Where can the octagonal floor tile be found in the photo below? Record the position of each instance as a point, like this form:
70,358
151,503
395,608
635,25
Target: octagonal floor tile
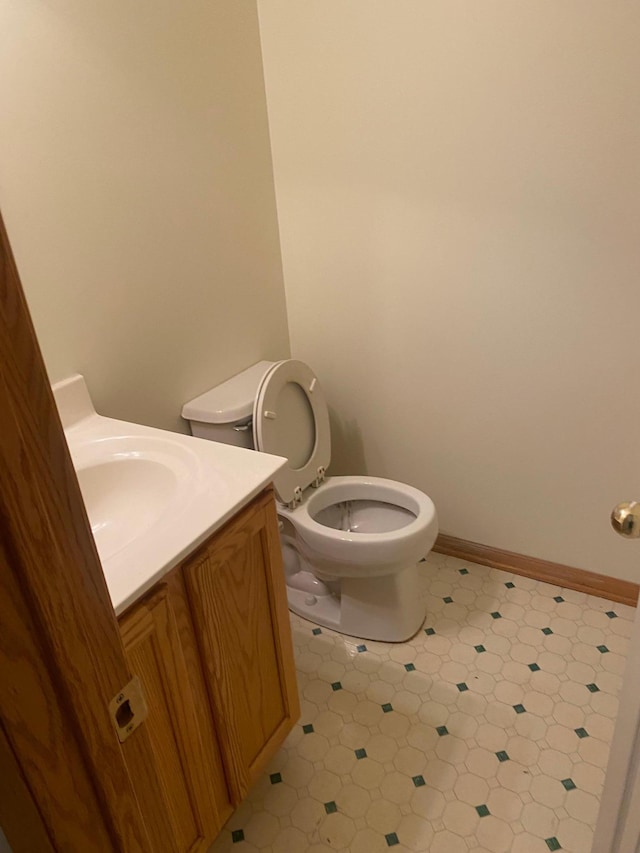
487,732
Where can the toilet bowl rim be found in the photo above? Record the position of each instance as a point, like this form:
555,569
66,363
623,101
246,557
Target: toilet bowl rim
336,489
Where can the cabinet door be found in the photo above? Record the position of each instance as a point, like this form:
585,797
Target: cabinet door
183,745
238,597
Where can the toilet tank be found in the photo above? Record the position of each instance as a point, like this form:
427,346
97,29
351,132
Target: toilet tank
224,413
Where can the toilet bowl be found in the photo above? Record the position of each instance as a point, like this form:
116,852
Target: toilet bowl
350,545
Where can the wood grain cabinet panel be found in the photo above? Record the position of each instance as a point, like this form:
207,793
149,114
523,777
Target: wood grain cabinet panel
212,647
183,746
237,594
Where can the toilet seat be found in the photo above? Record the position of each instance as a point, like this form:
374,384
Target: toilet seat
291,419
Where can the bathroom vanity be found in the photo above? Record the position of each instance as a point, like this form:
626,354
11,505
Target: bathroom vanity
211,644
187,535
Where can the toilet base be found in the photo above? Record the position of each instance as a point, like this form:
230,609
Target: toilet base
384,608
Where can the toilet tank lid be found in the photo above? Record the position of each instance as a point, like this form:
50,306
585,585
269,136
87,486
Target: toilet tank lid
229,402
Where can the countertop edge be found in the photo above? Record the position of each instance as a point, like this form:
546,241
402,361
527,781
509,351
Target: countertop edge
126,601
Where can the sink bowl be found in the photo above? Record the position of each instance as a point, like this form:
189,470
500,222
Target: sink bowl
131,484
152,496
124,498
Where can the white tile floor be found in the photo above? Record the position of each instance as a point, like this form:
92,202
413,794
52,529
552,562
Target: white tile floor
488,731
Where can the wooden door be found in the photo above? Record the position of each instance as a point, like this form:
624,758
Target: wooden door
618,826
238,597
61,656
185,755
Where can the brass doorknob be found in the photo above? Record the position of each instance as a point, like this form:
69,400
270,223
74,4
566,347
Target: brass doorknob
625,519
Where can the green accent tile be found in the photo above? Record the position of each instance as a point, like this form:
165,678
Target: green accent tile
553,843
447,599
387,707
558,599
237,835
391,839
316,631
336,685
602,649
418,781
593,688
442,730
361,753
569,784
480,649
510,585
463,571
307,728
581,732
502,755
519,709
409,667
462,687
611,614
361,648
533,667
331,807
482,810
429,632
275,778
496,615
547,631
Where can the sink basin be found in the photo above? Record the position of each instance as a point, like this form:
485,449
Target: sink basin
130,484
151,496
123,499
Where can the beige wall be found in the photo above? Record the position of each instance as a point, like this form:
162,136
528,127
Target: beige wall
458,195
459,204
136,184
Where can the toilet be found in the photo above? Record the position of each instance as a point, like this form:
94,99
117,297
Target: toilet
350,545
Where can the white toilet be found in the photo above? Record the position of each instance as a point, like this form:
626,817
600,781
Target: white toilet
350,544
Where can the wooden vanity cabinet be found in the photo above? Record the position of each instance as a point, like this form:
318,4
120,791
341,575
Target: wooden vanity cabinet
212,646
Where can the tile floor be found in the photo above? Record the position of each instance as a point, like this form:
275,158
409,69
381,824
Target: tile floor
488,731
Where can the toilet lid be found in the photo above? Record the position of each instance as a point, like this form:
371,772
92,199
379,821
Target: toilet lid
291,419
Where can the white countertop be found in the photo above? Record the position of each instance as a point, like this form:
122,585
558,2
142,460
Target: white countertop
187,489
